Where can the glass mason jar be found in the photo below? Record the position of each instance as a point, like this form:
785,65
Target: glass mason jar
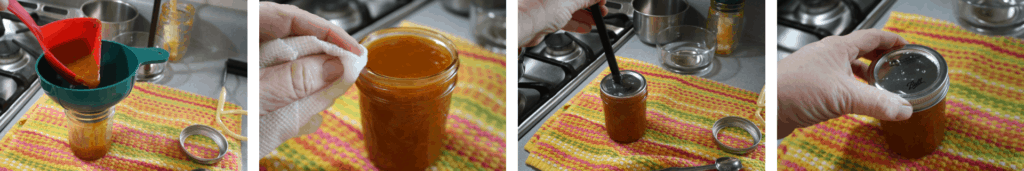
726,18
89,134
405,93
919,75
625,106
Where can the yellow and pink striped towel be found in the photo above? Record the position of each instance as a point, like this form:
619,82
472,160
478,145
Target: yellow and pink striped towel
680,113
145,134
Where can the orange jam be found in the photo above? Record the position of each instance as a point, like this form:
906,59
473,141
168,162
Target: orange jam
625,118
405,93
89,139
919,135
86,69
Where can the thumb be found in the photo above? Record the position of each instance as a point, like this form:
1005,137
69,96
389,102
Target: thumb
868,100
4,4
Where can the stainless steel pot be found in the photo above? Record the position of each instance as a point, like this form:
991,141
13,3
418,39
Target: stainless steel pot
651,16
115,16
460,7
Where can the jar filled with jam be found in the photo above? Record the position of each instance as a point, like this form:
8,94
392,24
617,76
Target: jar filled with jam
89,134
405,92
919,75
625,106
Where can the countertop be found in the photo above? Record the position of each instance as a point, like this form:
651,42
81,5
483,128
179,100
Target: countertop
744,69
433,15
218,33
938,9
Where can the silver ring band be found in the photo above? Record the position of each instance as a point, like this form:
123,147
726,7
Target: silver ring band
733,121
216,136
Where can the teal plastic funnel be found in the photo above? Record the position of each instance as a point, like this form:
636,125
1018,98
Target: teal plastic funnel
117,68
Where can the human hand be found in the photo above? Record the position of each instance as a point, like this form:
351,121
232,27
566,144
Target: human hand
818,82
4,4
540,17
305,63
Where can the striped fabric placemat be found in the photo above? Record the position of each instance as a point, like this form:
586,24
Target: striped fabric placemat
145,134
680,113
476,123
984,109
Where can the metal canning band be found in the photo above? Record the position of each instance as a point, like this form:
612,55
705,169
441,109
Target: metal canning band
733,121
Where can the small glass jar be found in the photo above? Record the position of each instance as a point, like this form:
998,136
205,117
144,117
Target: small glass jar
919,75
726,18
90,134
488,18
405,93
625,106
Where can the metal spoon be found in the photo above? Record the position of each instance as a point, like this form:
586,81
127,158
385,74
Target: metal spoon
721,164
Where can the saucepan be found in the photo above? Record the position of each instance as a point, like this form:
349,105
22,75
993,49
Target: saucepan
651,16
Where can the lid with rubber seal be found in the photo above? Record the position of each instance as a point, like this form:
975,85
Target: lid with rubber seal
916,73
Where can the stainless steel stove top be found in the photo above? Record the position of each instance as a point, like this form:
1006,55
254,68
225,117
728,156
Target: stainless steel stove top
18,52
802,22
360,17
552,70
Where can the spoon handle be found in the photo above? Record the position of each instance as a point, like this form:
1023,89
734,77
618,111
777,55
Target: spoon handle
698,168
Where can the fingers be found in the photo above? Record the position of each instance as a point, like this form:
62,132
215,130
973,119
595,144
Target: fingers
582,20
279,21
4,4
860,69
289,82
866,43
867,100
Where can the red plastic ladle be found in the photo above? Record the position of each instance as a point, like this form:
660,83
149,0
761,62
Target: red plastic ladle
85,30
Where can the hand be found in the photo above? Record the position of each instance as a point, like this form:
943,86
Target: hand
540,17
305,63
4,4
818,82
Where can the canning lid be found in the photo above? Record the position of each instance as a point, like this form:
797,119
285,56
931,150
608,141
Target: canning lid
632,84
916,73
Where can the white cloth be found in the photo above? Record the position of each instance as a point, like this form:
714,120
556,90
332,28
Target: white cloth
282,124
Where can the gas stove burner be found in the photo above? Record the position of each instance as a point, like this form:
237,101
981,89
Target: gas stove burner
552,70
348,14
12,58
834,16
562,48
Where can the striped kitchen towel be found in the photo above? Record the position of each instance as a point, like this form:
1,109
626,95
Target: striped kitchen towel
680,112
984,108
476,123
145,134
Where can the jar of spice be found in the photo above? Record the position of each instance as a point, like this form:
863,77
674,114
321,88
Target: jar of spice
625,106
404,95
89,134
726,18
919,75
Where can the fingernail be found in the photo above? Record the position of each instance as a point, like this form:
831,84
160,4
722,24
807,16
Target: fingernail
905,110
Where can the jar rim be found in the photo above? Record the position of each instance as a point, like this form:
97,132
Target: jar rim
425,33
